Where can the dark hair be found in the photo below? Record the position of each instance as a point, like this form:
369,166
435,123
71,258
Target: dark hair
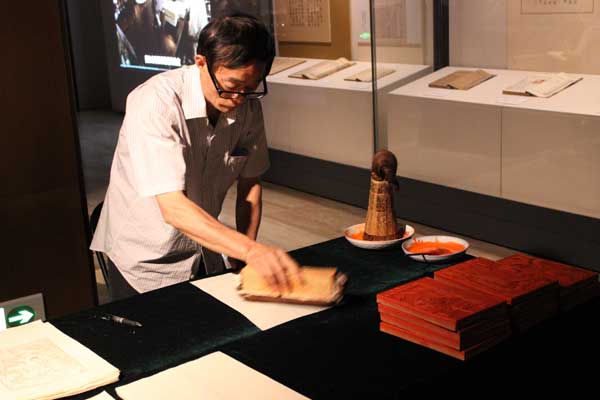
236,40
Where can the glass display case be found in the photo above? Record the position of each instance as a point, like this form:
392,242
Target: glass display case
501,141
527,134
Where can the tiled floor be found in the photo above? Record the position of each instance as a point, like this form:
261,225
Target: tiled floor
291,219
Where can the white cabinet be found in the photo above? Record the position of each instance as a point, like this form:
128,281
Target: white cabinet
330,118
539,151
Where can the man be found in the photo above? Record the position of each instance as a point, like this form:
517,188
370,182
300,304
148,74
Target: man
187,136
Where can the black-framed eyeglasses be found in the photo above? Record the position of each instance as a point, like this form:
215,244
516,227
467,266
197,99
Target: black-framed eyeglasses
230,94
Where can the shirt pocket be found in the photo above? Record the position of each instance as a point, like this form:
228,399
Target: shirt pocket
231,169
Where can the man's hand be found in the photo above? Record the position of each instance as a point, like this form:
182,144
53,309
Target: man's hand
274,265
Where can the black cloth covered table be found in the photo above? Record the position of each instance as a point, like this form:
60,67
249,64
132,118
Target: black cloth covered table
337,353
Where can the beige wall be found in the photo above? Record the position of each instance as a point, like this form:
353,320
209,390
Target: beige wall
419,16
44,232
340,37
554,42
495,34
478,33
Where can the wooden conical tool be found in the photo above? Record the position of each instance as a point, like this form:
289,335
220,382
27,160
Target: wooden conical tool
381,219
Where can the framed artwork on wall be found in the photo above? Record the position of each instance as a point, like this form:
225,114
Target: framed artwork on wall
302,21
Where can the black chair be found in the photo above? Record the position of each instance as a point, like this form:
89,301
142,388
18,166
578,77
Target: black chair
100,257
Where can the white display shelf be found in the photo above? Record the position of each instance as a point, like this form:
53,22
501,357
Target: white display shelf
330,118
337,79
532,150
582,98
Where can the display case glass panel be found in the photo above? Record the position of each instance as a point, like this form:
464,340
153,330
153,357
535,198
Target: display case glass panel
515,114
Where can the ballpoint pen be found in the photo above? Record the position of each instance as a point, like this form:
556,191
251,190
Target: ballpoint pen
120,320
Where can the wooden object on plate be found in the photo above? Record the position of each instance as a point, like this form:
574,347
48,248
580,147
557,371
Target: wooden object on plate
320,286
381,219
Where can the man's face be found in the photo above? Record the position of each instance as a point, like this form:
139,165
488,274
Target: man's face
243,79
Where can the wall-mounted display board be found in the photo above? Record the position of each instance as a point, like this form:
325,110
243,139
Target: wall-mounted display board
302,21
556,6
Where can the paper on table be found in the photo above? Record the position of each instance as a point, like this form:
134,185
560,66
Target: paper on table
283,63
102,396
213,377
37,361
265,315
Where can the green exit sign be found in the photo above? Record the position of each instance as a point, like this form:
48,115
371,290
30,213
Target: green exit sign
19,315
21,311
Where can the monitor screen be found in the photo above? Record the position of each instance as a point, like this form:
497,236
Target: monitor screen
145,37
158,34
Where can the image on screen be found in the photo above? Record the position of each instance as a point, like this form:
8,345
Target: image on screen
159,34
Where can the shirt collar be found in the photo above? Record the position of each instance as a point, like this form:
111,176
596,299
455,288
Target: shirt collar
193,102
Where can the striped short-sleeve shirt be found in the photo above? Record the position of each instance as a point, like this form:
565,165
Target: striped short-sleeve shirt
167,144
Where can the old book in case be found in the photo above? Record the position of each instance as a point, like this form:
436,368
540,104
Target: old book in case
462,79
323,69
542,85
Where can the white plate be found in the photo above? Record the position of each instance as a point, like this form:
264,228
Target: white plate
375,244
438,238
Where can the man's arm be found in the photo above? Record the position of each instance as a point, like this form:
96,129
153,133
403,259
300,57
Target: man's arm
271,262
248,206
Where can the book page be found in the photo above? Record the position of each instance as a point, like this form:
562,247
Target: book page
367,74
37,361
283,63
552,85
35,364
520,88
265,315
542,85
213,377
323,69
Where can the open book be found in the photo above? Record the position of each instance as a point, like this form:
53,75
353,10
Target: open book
462,79
37,361
367,74
323,69
542,85
321,286
283,63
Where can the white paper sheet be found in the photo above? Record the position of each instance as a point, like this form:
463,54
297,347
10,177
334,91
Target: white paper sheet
37,361
265,315
213,377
